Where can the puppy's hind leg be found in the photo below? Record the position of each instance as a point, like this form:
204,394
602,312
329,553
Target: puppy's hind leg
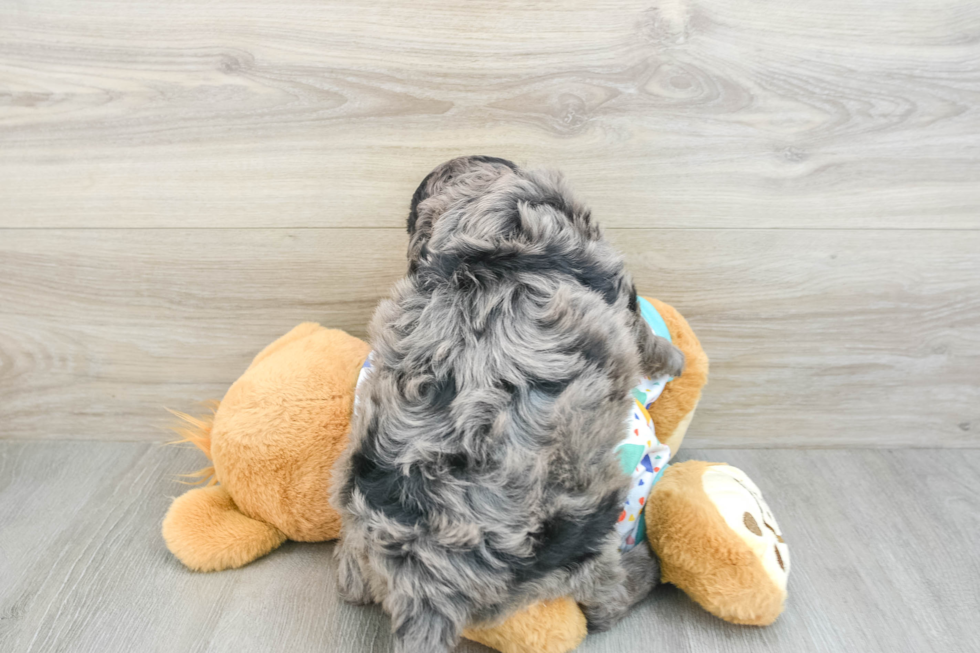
617,582
419,627
642,571
352,584
604,596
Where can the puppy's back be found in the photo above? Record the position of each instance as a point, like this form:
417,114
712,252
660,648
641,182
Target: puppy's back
483,460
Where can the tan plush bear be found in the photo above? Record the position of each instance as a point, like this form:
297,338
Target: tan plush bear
276,434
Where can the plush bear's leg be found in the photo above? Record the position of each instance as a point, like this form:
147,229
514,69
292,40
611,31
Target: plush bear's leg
718,541
207,532
556,626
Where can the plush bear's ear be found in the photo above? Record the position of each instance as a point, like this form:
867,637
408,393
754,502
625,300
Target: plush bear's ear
207,532
556,626
718,541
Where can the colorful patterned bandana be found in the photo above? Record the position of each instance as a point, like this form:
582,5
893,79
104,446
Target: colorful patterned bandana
642,455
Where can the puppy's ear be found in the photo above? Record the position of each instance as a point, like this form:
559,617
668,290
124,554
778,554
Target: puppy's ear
658,357
424,215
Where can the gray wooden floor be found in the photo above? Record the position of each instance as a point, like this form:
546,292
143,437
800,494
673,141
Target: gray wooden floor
884,546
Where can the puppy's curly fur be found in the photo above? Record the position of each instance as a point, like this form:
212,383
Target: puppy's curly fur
482,474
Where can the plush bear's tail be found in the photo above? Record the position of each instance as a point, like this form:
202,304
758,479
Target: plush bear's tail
197,431
204,528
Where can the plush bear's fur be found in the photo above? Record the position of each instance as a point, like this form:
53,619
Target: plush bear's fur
206,530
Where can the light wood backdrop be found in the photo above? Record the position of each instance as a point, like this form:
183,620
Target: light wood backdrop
181,182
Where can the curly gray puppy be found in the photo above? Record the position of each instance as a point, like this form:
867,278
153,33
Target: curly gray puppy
481,474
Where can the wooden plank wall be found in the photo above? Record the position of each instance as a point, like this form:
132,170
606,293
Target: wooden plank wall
180,183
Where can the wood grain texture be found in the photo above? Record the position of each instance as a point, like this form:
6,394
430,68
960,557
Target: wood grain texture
181,183
817,338
678,113
883,555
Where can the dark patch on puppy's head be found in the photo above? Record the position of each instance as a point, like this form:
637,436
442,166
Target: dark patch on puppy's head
420,194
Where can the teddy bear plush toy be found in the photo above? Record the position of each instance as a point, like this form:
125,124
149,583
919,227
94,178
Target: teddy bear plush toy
274,437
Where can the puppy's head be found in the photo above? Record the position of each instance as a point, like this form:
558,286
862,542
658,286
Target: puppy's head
466,176
460,174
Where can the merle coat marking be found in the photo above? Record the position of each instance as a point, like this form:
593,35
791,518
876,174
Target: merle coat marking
482,474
